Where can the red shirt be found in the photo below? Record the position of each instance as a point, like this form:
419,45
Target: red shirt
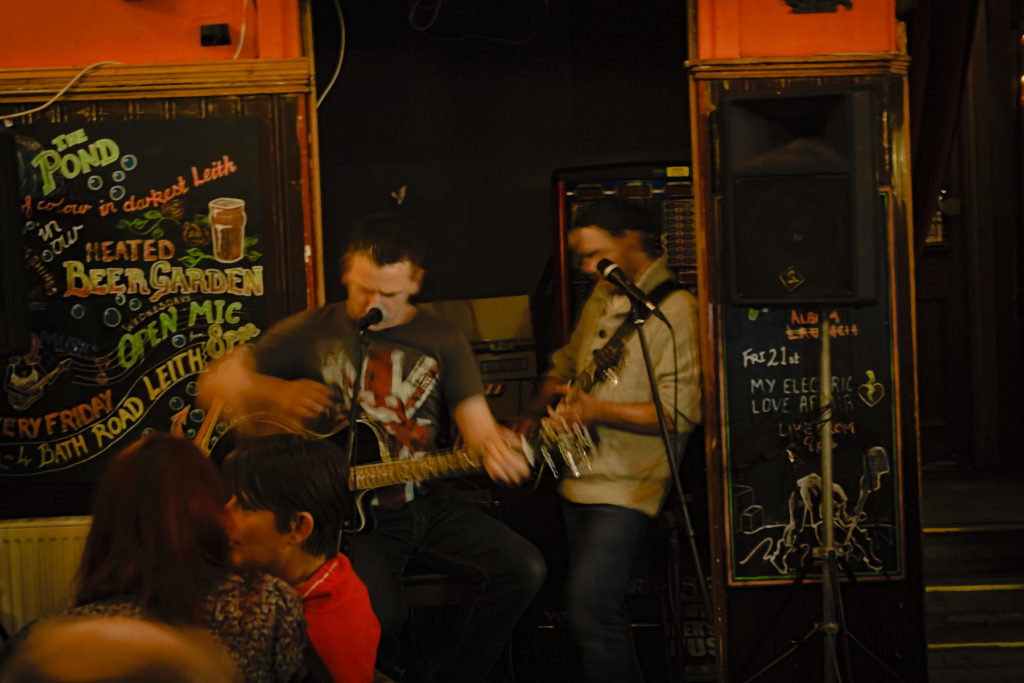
341,624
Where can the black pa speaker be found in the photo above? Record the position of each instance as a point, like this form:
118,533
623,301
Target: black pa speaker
14,326
800,199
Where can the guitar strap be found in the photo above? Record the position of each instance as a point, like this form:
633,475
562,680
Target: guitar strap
608,355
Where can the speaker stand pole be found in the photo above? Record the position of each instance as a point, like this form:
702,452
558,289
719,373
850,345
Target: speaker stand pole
826,555
352,440
829,626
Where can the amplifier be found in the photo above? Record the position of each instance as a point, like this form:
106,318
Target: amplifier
501,335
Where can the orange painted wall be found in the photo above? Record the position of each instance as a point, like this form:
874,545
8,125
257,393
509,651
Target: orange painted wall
47,33
730,29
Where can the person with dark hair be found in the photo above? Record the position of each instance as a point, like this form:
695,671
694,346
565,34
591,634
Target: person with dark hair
608,509
157,549
616,217
415,368
289,499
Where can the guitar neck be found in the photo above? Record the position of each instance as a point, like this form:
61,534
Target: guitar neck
434,466
584,381
604,359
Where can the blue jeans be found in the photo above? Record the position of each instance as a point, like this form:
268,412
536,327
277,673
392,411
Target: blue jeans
603,543
459,538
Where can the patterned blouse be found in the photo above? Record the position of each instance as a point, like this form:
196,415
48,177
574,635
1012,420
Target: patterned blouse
257,617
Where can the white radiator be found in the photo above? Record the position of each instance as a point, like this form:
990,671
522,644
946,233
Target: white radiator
38,562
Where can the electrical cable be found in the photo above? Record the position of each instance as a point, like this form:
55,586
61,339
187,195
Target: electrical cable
241,31
414,5
341,54
59,94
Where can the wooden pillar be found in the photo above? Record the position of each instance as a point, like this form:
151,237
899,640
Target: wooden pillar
800,139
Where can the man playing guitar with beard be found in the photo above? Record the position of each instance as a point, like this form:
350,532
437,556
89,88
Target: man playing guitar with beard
608,506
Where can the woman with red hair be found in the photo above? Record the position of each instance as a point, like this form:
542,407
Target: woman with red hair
157,550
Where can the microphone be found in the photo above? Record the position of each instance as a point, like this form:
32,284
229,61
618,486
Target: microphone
613,274
374,316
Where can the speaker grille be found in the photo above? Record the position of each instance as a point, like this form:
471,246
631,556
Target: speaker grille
792,238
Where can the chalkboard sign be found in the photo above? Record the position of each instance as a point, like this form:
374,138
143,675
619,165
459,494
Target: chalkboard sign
772,372
143,263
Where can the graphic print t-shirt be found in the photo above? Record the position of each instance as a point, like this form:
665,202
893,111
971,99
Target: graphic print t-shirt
410,371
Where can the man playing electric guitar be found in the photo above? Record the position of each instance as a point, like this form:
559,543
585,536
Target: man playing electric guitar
608,508
304,370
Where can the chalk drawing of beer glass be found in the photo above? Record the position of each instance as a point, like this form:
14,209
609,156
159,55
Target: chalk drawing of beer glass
227,228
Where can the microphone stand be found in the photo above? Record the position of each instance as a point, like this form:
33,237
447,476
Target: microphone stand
352,445
640,314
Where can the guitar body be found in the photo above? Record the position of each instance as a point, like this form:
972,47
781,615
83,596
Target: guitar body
372,446
374,467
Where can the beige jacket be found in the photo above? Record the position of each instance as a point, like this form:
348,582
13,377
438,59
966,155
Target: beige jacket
630,469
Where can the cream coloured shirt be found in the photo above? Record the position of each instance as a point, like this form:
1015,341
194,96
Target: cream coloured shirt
628,468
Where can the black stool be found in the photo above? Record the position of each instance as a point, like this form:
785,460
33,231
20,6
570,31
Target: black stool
432,598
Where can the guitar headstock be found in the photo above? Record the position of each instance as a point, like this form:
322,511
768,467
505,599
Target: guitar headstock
565,446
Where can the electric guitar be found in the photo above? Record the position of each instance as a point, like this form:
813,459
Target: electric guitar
572,441
375,468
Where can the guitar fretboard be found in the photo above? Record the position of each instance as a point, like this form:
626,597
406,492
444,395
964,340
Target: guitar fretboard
433,466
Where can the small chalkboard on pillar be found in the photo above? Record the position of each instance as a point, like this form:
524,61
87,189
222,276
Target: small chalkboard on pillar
771,358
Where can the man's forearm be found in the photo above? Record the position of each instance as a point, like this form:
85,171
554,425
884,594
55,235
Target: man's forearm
634,417
228,380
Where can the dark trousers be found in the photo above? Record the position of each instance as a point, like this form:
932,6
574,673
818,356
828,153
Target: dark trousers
603,543
458,538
